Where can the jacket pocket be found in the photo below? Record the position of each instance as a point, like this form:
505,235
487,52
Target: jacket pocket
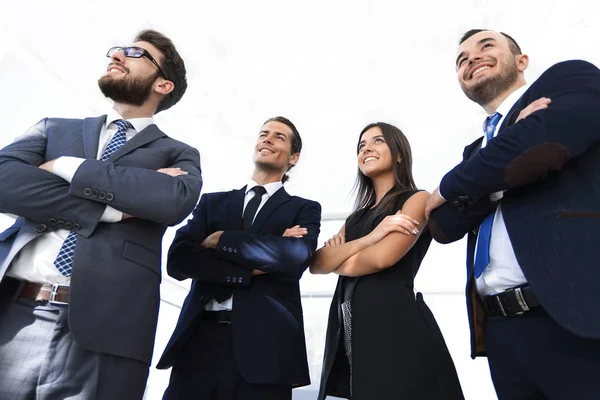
142,256
577,214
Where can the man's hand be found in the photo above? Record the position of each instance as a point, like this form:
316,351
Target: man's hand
126,216
537,105
172,171
295,231
258,272
48,166
211,241
434,201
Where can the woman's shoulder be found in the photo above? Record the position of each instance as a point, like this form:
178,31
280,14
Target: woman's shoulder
416,196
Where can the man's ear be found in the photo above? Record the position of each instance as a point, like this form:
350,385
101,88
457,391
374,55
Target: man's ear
294,159
164,87
522,62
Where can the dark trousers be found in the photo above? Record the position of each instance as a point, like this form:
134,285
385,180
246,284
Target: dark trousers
39,358
532,357
206,370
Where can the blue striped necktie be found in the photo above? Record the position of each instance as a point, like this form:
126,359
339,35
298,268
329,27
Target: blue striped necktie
64,259
482,254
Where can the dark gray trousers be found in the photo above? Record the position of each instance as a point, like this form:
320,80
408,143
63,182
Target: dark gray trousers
39,358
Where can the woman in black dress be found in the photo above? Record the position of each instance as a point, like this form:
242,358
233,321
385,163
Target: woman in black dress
382,341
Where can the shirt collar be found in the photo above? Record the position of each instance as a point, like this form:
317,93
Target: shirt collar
139,124
510,101
271,188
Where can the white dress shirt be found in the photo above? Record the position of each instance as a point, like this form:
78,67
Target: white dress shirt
270,188
503,271
35,262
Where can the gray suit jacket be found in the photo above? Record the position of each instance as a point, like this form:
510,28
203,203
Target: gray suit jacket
116,267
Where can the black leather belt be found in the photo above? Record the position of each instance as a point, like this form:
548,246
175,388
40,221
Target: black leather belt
219,317
511,302
53,294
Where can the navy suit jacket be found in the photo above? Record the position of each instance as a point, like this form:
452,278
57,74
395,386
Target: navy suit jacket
114,296
549,165
268,327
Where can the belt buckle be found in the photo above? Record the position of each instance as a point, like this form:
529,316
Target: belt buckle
521,300
500,305
52,299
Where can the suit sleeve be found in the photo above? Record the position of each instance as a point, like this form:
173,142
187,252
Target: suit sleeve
539,144
187,259
39,195
141,192
274,254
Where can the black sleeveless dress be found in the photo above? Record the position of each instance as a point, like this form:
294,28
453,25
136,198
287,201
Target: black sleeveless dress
396,348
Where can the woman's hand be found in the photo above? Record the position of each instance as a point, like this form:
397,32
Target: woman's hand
336,240
295,231
393,223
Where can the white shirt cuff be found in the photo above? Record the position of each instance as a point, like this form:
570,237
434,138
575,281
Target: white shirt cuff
440,192
111,215
65,167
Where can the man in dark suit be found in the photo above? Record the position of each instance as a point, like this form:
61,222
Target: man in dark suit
80,268
240,335
527,196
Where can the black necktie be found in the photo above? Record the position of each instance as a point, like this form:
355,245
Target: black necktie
252,206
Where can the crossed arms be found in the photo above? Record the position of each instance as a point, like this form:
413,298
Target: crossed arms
39,195
207,256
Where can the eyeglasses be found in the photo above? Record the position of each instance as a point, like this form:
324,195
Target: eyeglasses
135,52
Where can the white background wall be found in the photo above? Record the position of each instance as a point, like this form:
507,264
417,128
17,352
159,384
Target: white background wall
330,66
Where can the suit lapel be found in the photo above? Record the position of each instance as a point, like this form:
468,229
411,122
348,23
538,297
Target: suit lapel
278,198
235,207
144,137
91,135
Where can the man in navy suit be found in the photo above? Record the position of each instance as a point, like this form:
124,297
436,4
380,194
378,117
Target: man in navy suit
80,269
240,334
527,196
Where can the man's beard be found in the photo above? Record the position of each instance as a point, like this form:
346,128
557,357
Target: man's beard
487,90
133,91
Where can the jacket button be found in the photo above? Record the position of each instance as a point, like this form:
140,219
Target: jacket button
39,228
60,223
235,250
455,203
224,248
102,196
76,226
240,280
234,279
110,196
68,225
228,279
94,193
230,250
87,191
52,221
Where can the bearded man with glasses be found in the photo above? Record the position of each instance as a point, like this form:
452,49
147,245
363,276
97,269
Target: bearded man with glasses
80,268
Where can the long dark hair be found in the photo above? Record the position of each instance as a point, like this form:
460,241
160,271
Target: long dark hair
403,178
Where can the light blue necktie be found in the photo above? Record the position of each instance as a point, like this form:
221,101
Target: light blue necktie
64,259
482,254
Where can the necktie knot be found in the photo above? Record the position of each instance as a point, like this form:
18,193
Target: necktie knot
489,126
123,125
259,190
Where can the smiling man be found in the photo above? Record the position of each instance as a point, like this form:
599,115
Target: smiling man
80,268
527,196
240,334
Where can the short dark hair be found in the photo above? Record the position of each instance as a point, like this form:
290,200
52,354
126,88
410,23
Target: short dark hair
512,43
171,63
296,145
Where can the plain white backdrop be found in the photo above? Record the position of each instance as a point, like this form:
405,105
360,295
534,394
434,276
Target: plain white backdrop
329,66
